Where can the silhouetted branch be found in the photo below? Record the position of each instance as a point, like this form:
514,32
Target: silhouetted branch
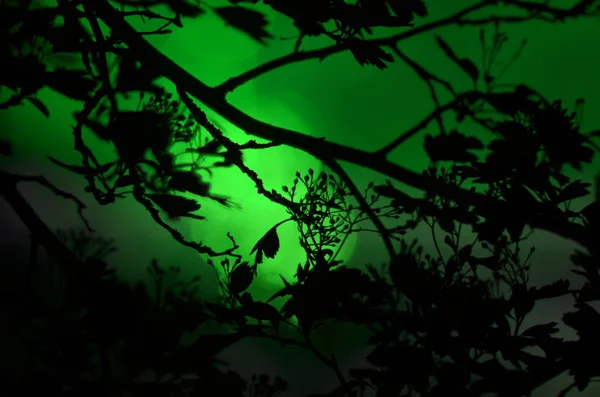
320,54
428,78
458,18
255,145
40,179
233,147
37,227
321,149
363,205
101,61
87,155
434,115
138,194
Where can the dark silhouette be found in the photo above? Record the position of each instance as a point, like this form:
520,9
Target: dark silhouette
438,327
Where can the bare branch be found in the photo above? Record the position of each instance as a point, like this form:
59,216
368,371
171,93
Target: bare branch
435,114
101,61
364,206
87,154
254,145
36,226
40,179
138,194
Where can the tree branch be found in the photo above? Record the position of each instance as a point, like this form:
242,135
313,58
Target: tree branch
322,53
318,147
40,179
364,206
37,227
557,14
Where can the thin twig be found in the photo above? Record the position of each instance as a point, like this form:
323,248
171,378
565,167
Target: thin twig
437,112
233,147
364,206
36,226
40,179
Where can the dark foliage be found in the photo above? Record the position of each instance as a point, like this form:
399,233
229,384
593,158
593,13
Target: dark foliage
439,324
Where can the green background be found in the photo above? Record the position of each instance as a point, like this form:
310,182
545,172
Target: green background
336,99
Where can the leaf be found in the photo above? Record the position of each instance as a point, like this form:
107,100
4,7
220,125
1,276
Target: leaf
249,21
588,293
367,53
509,103
560,136
572,191
464,253
124,181
267,245
465,64
541,330
71,83
344,281
470,68
448,241
241,278
188,181
522,299
452,147
185,8
403,7
134,78
586,321
39,105
554,290
446,224
262,311
285,291
174,206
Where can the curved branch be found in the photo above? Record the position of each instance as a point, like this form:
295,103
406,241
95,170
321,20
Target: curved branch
364,206
38,229
318,147
322,53
458,18
40,179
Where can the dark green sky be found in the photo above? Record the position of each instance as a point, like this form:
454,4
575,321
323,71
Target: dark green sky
336,99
